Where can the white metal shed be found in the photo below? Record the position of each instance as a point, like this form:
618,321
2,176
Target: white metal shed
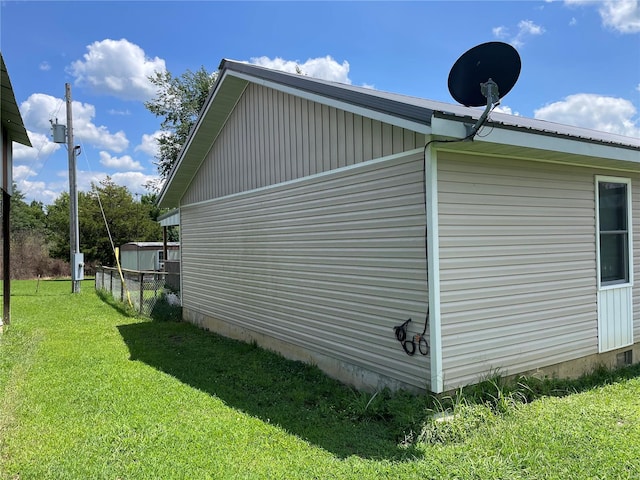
147,255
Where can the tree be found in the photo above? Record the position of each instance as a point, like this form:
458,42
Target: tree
178,103
150,200
26,217
127,219
29,248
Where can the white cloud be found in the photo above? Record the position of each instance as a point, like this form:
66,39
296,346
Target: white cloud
48,191
43,147
22,172
529,28
84,178
38,191
119,68
597,112
526,29
113,111
325,68
39,109
149,143
620,15
45,66
32,190
500,32
505,109
120,163
573,22
134,181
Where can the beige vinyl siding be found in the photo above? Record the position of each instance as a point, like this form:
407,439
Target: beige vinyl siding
330,263
272,137
518,266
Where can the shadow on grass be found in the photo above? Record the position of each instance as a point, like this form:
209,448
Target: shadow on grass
293,395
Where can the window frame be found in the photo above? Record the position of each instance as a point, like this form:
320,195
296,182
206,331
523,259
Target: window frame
629,233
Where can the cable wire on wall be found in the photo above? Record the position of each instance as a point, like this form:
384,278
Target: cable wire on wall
419,341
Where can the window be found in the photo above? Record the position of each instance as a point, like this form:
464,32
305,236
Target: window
614,220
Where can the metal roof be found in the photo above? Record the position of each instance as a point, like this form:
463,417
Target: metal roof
401,110
387,103
416,109
9,112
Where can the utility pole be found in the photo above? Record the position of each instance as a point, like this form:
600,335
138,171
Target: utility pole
77,260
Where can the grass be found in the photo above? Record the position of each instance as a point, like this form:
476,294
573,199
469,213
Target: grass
89,391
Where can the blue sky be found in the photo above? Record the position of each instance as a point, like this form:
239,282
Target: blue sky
580,64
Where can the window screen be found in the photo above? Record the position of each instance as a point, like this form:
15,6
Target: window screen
614,232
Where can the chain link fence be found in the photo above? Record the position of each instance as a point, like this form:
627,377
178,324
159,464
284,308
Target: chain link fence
143,289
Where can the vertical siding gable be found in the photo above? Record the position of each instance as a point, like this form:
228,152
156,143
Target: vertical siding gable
273,137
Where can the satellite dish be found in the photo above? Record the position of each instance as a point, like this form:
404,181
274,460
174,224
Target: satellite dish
484,74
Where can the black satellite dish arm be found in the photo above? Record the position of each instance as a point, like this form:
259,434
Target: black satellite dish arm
490,91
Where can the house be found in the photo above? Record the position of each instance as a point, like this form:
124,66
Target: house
147,256
317,218
11,130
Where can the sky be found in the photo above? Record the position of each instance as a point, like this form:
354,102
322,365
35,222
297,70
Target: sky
580,65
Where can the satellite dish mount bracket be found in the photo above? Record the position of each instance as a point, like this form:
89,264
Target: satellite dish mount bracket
489,90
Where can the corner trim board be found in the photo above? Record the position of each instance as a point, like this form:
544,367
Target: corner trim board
433,267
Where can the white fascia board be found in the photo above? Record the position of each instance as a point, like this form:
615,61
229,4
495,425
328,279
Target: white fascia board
348,107
535,140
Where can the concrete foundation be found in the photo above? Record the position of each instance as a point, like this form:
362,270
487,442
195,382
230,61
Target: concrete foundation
368,381
347,373
575,368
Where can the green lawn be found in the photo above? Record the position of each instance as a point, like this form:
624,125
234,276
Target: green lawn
88,392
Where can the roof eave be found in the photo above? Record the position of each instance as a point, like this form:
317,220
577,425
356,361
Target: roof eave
559,147
10,113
